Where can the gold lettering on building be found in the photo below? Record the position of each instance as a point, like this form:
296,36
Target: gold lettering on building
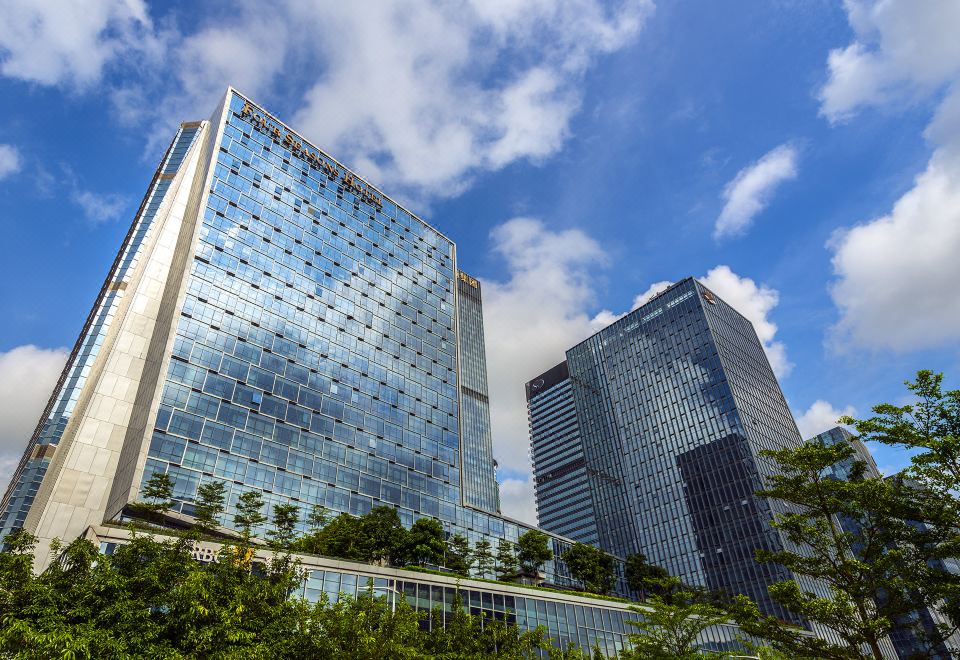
469,280
263,124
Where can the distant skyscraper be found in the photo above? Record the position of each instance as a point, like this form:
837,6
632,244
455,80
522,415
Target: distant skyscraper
479,476
673,403
564,504
274,322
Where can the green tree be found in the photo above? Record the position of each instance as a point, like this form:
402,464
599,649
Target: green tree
384,535
648,579
317,518
158,493
670,631
343,537
425,542
285,519
458,555
482,557
249,513
209,506
868,573
591,566
929,427
507,567
533,551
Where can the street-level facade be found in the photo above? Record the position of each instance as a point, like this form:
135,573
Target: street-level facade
570,620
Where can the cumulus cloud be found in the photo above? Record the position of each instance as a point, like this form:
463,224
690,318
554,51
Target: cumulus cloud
27,377
517,500
819,417
903,50
99,208
532,318
9,161
71,42
756,302
751,190
416,95
895,274
654,289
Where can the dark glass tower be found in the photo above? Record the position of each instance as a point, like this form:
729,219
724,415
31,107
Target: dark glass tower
480,488
674,402
564,504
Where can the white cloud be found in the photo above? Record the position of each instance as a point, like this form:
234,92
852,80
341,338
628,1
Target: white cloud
532,318
9,161
70,42
755,302
896,274
419,96
750,191
820,416
902,49
517,500
654,289
27,377
99,208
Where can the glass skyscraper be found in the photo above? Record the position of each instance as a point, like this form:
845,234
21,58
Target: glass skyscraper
673,404
562,488
479,474
275,322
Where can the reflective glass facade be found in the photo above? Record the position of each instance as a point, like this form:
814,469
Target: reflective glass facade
294,331
315,354
479,478
36,459
674,402
564,504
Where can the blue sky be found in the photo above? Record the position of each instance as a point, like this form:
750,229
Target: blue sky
803,157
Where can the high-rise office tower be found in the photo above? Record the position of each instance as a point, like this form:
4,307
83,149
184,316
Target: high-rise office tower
673,404
564,504
479,474
274,322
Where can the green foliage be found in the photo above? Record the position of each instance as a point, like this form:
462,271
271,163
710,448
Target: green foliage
151,600
425,542
482,557
507,567
285,519
533,551
343,537
249,513
458,555
669,630
209,506
384,537
930,427
158,493
649,579
871,574
591,566
318,518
